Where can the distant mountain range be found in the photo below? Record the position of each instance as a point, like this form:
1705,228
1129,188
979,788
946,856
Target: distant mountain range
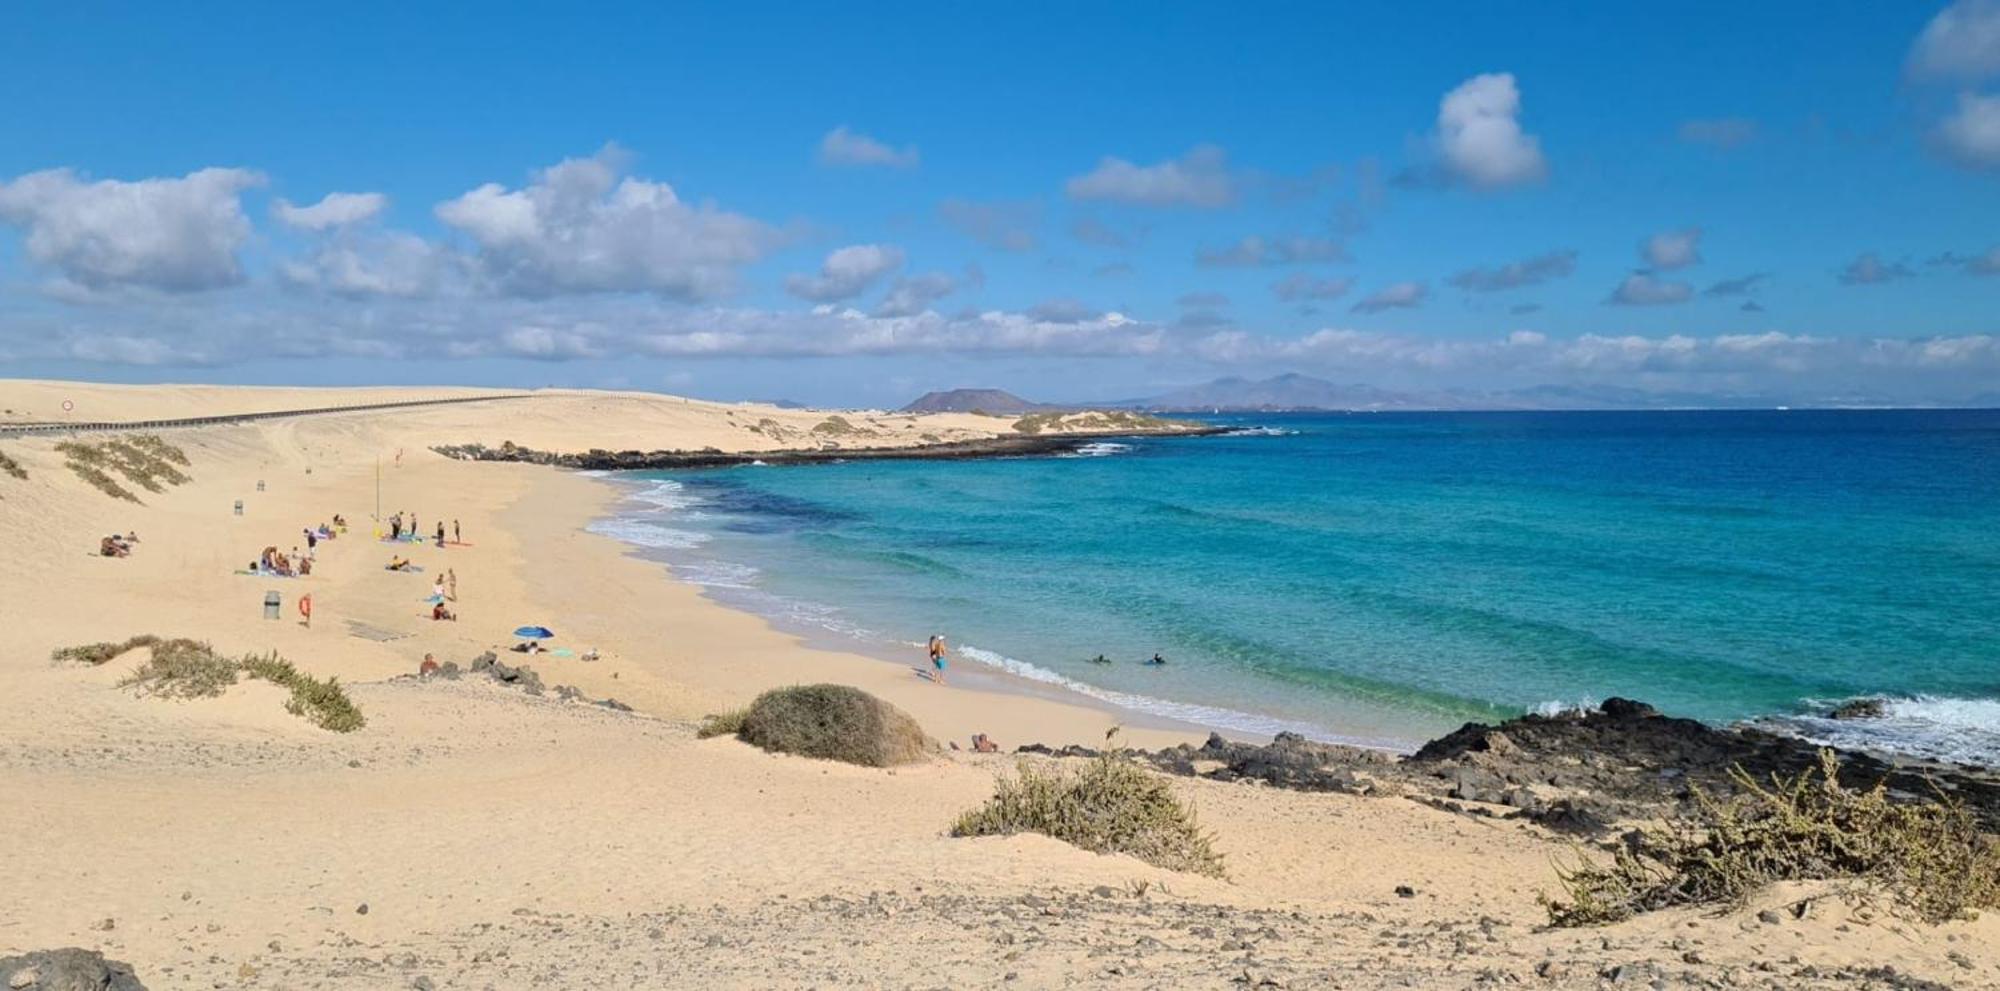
1303,392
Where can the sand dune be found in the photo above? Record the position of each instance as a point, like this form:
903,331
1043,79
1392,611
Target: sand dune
502,840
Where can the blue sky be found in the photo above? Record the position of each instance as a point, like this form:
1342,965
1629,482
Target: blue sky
857,203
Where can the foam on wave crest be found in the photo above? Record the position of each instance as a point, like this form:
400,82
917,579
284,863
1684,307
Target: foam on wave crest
1953,730
1261,432
647,534
1097,449
1188,712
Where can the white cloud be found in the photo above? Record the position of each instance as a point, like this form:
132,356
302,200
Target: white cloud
914,294
334,210
846,273
1670,250
1008,226
1479,134
1514,275
1646,289
1299,286
1200,178
844,147
175,235
1283,249
1867,270
1400,295
581,227
391,263
1971,134
1961,42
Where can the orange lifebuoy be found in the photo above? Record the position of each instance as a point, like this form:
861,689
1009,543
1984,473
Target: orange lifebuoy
306,606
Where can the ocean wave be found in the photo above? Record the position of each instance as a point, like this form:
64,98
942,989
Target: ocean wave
1097,449
666,495
644,533
1261,432
1932,727
1187,712
716,574
1553,708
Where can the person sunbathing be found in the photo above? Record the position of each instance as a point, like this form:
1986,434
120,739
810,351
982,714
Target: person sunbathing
440,612
110,547
398,564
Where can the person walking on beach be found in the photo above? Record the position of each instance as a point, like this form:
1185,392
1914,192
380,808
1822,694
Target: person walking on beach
440,540
456,538
937,658
451,584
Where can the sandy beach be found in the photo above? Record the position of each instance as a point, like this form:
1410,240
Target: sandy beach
475,836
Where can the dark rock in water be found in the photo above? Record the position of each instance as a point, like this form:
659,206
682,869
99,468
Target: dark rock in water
1618,708
1860,709
67,970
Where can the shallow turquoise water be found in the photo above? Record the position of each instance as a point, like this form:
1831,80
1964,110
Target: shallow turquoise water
1382,577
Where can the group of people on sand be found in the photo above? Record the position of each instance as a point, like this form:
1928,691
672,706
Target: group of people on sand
273,562
117,545
401,528
444,589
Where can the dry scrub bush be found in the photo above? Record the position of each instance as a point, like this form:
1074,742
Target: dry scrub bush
1110,805
1929,858
11,466
95,654
143,459
834,722
728,723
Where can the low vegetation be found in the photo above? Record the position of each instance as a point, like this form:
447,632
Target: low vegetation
838,426
189,669
1091,420
143,460
12,467
1929,858
1109,805
831,722
728,723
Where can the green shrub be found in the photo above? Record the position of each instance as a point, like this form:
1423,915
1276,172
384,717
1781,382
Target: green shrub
1928,857
143,459
189,669
183,669
1109,805
834,722
729,723
95,654
837,426
11,466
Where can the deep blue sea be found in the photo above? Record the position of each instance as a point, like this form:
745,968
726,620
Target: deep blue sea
1379,578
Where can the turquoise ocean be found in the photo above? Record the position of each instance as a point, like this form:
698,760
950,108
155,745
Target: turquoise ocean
1381,578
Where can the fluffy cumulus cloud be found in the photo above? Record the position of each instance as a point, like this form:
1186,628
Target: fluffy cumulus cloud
1396,296
1962,42
1008,226
167,234
1670,250
841,146
583,226
1514,275
334,210
1200,178
1283,249
914,294
846,273
1867,270
1479,134
1971,133
390,263
1718,132
1299,287
1742,286
1647,289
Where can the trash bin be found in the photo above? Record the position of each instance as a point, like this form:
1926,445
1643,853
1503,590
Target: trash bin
271,602
260,485
239,507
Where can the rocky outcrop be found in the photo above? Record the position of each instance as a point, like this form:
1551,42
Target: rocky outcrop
994,447
66,970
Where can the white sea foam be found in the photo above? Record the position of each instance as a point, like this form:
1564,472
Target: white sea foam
1556,707
666,495
1188,712
645,533
1261,432
1956,730
1097,449
716,574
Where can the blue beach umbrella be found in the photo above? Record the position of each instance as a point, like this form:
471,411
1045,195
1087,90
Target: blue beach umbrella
534,633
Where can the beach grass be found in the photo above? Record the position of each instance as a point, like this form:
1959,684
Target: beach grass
1928,857
12,467
189,669
1110,805
144,460
726,723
